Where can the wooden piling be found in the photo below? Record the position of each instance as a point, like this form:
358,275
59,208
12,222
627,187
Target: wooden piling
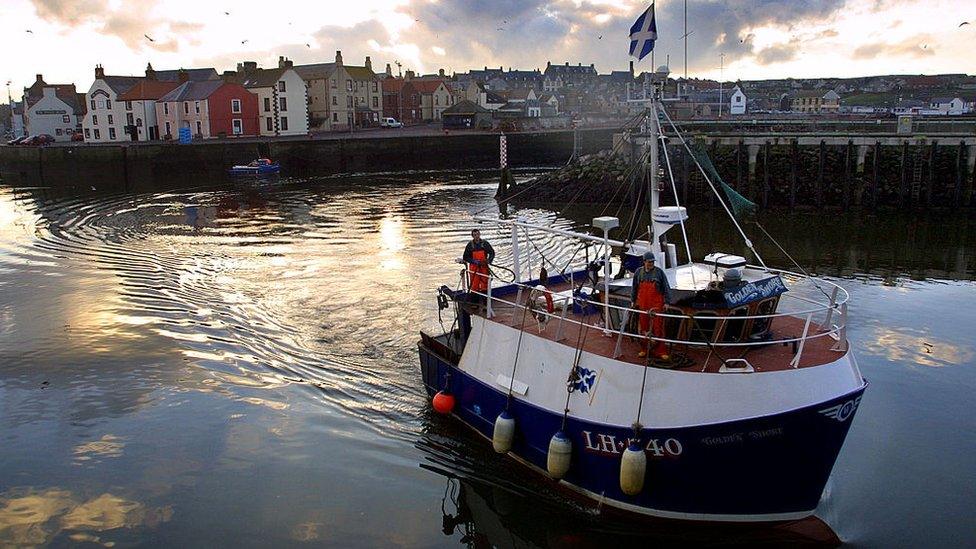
765,184
875,184
818,191
903,188
794,172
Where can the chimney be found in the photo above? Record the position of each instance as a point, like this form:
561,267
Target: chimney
631,69
338,59
548,64
183,75
408,75
250,66
150,73
284,62
40,78
229,76
99,72
440,72
389,70
240,68
567,63
369,64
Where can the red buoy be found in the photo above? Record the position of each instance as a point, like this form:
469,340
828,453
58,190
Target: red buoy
443,402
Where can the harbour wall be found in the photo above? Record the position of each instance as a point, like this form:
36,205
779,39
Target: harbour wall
170,163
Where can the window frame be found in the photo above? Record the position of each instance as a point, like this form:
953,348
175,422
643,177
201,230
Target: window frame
235,106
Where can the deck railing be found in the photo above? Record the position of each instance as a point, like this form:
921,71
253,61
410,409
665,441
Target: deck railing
833,307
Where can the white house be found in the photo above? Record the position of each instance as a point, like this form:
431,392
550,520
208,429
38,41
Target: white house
948,105
53,114
17,119
105,120
282,98
737,101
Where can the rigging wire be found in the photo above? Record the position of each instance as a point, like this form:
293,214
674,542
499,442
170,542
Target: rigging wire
798,266
714,190
674,189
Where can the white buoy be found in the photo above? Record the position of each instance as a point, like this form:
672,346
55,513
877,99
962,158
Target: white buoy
560,454
501,438
633,465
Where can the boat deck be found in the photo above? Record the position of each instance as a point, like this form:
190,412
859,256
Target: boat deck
764,356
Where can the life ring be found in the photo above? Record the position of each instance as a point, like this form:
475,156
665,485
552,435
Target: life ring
540,289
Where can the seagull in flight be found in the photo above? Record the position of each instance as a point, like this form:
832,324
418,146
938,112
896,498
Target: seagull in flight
964,23
148,38
30,31
243,42
308,45
226,13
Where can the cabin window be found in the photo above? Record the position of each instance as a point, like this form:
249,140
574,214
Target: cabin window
235,105
281,86
675,328
734,328
238,126
760,326
703,326
283,104
284,123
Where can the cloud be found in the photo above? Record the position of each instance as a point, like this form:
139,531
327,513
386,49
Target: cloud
129,22
915,46
778,53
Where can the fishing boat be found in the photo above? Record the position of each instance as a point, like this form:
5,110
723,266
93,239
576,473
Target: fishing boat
260,166
741,421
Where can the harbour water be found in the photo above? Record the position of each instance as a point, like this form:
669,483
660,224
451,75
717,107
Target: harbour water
235,365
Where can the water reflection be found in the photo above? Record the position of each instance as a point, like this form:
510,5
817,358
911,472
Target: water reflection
163,342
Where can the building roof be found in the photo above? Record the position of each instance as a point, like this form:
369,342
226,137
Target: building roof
464,107
196,75
810,93
942,99
567,69
192,91
495,98
262,78
519,94
121,84
315,71
393,85
148,89
359,73
426,86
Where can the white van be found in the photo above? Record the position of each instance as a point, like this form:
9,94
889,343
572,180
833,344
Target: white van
390,123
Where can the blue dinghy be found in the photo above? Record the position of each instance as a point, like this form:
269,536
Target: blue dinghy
261,166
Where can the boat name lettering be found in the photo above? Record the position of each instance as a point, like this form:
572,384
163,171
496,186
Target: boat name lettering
738,438
766,433
753,291
609,445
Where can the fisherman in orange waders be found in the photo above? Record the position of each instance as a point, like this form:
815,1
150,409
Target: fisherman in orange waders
478,254
650,293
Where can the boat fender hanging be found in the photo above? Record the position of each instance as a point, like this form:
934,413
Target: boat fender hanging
560,454
501,438
633,465
443,402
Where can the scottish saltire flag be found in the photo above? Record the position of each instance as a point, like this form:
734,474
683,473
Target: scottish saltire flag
643,34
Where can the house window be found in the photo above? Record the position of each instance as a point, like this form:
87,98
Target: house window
199,128
93,104
284,123
165,108
87,133
111,133
335,100
108,104
437,100
186,107
375,87
238,126
376,103
196,107
335,117
128,105
333,83
282,103
94,120
111,120
97,136
66,119
138,122
129,119
281,86
349,85
267,104
57,131
168,132
235,105
268,123
349,101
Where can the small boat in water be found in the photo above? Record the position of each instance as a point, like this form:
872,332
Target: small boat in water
261,166
733,407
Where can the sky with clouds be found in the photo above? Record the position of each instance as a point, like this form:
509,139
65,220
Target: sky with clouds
759,38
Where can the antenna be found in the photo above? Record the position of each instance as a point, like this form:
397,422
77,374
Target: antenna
399,68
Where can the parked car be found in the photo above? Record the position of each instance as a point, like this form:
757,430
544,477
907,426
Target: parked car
77,136
390,123
17,140
38,140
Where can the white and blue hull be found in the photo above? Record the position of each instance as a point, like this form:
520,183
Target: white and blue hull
720,447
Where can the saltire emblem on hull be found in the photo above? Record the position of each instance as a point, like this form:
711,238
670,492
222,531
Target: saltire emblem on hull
842,411
584,383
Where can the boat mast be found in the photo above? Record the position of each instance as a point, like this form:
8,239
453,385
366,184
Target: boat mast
651,165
